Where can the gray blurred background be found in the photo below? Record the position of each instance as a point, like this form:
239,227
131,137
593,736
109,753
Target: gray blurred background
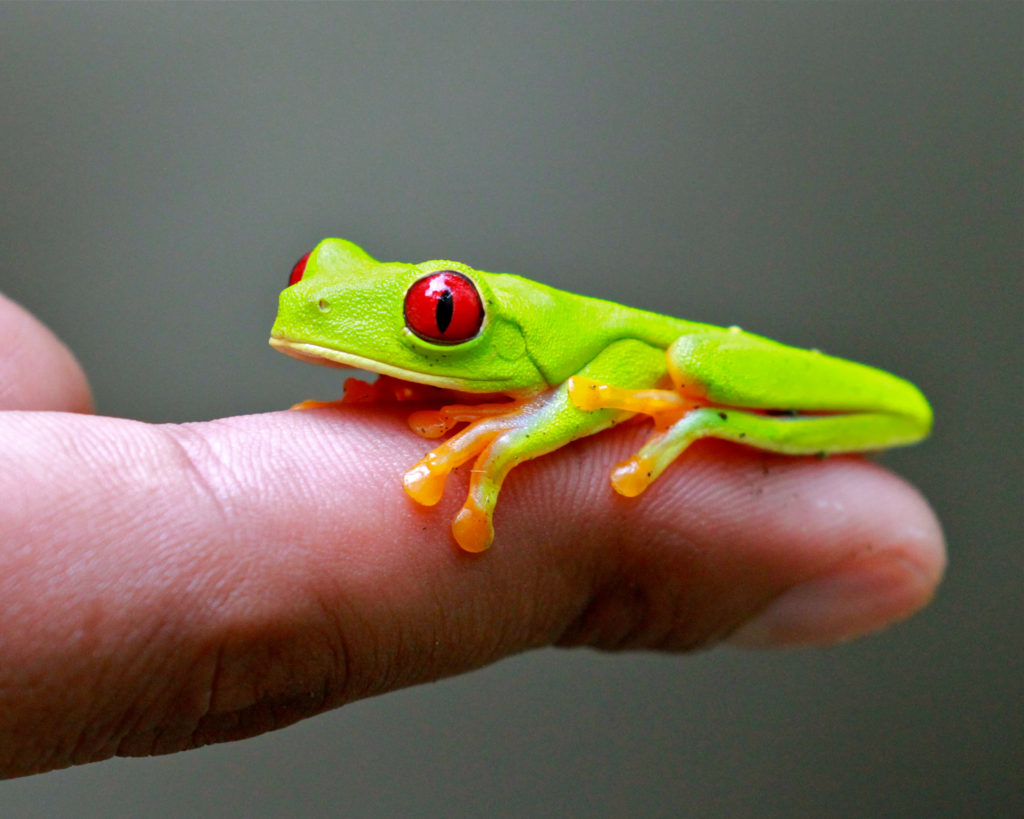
842,176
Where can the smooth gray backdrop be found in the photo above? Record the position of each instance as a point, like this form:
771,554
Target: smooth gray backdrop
842,176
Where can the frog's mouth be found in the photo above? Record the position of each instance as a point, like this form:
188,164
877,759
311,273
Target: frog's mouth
328,356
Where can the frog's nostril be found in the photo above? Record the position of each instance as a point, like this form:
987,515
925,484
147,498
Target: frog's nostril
324,305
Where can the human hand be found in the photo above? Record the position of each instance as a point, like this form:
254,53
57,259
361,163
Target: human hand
164,587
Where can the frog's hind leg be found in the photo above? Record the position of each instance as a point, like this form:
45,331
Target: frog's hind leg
743,388
789,434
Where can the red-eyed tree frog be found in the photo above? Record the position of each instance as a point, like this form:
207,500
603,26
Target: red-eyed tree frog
546,367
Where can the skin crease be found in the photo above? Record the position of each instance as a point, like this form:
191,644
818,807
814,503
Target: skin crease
169,586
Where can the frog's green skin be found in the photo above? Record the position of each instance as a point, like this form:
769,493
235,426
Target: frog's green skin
697,380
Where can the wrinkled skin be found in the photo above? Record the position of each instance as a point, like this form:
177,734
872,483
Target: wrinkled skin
169,586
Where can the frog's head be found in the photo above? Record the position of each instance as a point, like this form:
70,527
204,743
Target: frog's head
439,322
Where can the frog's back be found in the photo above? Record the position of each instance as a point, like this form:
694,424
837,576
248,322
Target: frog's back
563,331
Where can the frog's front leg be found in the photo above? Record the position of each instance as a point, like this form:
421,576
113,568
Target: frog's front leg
385,390
498,442
500,436
425,481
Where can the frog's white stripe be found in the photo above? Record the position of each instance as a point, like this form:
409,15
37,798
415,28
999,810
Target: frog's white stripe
316,354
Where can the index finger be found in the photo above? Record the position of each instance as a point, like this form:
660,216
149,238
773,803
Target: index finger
168,586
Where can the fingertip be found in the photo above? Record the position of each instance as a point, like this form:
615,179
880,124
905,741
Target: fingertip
892,569
37,370
757,549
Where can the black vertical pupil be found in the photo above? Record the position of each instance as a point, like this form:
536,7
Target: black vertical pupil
444,310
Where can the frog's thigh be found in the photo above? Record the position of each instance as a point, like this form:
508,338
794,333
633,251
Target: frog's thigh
846,405
740,369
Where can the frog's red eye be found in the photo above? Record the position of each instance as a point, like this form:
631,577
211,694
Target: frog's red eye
298,270
444,307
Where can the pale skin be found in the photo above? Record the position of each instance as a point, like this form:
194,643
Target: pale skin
170,586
